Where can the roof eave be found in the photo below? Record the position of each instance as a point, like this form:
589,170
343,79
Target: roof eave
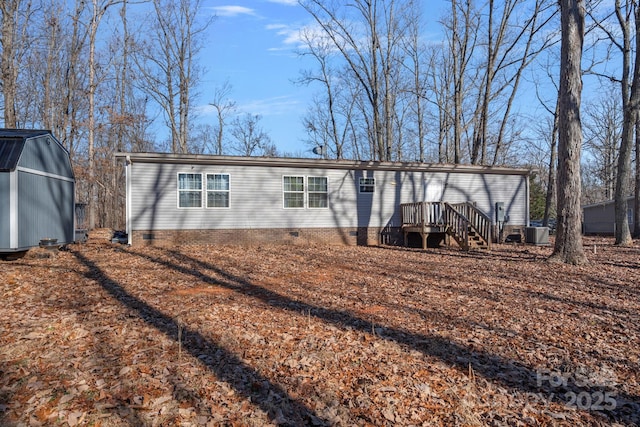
315,163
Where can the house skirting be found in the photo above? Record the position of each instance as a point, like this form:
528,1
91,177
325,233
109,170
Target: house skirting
364,236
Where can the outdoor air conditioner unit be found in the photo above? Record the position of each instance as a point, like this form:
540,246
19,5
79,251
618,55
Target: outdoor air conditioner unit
537,235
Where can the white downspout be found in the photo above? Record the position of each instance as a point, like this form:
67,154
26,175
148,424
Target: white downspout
528,200
128,199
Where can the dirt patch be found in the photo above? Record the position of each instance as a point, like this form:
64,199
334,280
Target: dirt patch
106,335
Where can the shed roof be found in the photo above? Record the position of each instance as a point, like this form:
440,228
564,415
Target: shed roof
11,145
316,163
605,203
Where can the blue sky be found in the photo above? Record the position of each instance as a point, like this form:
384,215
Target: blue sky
252,44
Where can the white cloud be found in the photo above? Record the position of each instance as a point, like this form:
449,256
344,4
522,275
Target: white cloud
285,2
274,106
291,35
233,10
267,107
296,37
276,26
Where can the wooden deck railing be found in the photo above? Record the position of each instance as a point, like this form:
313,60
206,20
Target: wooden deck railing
460,219
423,214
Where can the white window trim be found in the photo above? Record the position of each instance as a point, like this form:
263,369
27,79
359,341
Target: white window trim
206,200
304,191
316,192
178,190
361,185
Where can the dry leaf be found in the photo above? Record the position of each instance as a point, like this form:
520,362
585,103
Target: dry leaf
318,335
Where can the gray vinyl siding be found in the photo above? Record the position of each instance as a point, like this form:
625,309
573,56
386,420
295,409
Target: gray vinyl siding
4,210
256,197
45,209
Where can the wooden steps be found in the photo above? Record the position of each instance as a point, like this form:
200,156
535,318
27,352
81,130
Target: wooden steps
475,241
468,226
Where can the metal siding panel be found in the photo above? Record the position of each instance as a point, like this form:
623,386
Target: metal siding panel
10,150
45,209
44,154
4,211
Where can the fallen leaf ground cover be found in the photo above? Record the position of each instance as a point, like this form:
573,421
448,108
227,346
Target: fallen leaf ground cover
108,335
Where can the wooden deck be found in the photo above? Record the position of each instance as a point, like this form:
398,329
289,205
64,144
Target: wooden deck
467,225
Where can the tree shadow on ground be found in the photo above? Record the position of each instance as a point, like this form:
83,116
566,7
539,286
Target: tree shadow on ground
246,381
508,373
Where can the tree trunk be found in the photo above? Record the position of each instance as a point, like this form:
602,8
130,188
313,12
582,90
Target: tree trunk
553,160
630,98
622,233
8,69
72,83
457,86
568,244
91,122
636,201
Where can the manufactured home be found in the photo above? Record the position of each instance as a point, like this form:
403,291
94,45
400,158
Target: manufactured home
36,190
600,218
183,199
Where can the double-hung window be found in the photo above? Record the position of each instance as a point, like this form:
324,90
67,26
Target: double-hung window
189,190
293,191
367,185
217,190
296,194
317,192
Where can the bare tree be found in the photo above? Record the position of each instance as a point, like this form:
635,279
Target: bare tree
541,152
167,63
8,66
223,106
250,138
74,84
14,24
462,34
328,115
512,44
568,243
203,139
52,84
602,130
439,89
620,38
550,201
636,202
52,32
98,10
631,105
367,34
125,121
416,53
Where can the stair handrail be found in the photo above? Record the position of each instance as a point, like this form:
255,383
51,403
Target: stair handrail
478,220
459,225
